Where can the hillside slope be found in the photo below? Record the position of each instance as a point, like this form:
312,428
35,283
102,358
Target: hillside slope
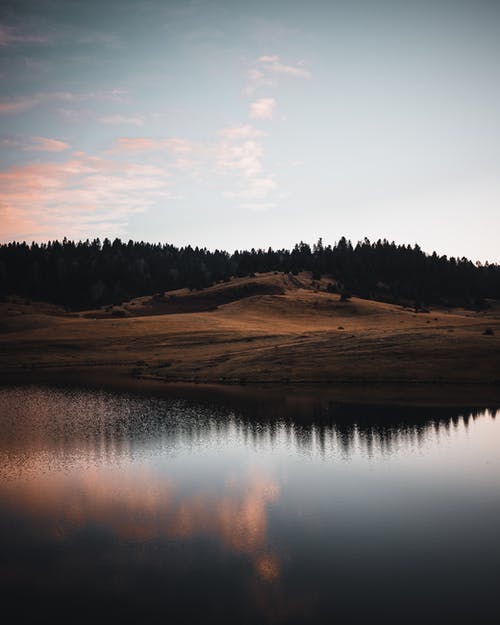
272,327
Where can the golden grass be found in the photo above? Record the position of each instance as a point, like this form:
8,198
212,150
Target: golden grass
271,328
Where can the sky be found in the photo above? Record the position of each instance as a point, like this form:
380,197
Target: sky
231,124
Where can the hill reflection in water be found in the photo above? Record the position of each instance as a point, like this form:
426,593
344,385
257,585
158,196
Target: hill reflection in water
134,501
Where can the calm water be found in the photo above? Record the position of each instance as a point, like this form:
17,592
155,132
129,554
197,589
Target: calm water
118,508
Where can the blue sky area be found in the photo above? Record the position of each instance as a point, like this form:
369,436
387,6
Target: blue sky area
248,124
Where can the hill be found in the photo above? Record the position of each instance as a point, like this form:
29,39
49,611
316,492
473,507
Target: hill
268,328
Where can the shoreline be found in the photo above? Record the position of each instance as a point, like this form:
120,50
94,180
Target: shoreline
375,392
303,342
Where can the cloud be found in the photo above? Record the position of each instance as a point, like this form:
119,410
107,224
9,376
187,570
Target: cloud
83,195
245,158
256,80
10,35
34,144
138,502
262,108
188,158
246,131
268,59
135,144
255,75
75,115
261,76
273,64
256,189
43,144
80,196
19,104
143,144
119,120
253,188
262,186
35,30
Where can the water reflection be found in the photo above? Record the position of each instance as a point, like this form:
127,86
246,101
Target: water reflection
104,427
140,505
108,495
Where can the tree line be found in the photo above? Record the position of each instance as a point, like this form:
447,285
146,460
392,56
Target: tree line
87,274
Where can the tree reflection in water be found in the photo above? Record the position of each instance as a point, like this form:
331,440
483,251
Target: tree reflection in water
271,508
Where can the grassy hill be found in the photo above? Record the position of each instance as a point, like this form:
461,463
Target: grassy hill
267,328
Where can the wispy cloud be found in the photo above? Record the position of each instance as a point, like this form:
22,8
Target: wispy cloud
40,30
236,155
75,115
257,79
10,35
256,189
122,120
34,144
244,157
84,195
263,108
253,187
267,68
273,64
80,196
143,144
44,144
19,104
246,131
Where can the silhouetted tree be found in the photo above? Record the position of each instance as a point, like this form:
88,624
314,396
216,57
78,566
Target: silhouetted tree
87,273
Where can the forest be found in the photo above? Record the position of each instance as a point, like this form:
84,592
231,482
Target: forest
88,274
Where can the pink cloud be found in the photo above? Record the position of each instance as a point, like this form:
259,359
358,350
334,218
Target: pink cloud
261,76
135,144
143,144
44,144
19,104
263,108
95,195
34,144
80,196
273,64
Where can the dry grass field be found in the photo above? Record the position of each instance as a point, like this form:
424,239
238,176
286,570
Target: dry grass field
270,328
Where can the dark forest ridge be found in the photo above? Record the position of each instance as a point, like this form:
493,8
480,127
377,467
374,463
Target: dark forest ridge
89,274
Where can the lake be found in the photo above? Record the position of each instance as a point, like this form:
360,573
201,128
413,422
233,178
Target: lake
133,508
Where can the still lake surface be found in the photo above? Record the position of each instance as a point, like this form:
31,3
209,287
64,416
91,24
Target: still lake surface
122,508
